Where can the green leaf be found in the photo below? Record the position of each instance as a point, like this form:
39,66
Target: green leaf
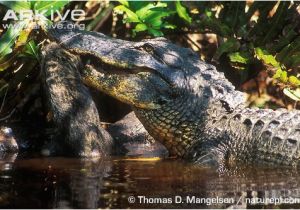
124,2
168,26
294,80
208,13
17,6
230,45
8,39
49,6
155,15
267,58
136,5
239,57
7,61
32,3
155,23
155,32
277,74
293,94
132,17
181,10
32,49
144,12
140,27
283,77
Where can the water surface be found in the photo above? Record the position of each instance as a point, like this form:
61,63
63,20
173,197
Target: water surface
131,183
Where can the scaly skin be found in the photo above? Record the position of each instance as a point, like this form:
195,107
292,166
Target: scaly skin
218,137
183,102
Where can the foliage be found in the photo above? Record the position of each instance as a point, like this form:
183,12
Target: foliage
151,16
17,35
258,31
18,47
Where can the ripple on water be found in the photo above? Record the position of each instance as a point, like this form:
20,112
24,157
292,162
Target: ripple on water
75,183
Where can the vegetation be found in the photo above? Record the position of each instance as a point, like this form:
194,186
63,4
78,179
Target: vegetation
252,40
152,17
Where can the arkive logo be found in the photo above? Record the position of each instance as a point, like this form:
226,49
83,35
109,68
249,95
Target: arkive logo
74,14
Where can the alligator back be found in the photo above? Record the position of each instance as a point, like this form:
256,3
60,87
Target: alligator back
261,135
247,135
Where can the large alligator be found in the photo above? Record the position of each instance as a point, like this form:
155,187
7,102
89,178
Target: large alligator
183,102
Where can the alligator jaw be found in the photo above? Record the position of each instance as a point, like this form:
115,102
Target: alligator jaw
128,88
112,67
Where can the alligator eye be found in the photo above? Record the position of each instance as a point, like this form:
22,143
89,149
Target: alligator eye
148,47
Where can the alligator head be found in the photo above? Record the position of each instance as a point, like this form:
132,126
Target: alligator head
169,88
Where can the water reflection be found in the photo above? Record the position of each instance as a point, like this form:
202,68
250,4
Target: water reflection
75,183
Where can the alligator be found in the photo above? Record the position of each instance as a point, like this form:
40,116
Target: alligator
183,102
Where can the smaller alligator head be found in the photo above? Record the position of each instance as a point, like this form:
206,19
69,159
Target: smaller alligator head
169,88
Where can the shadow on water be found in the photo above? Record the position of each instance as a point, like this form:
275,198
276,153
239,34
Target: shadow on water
76,183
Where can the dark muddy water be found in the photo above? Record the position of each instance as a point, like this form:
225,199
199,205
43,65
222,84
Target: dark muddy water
128,183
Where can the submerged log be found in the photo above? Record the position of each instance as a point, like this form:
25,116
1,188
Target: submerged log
73,112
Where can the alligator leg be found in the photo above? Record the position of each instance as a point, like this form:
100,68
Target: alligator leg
75,116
